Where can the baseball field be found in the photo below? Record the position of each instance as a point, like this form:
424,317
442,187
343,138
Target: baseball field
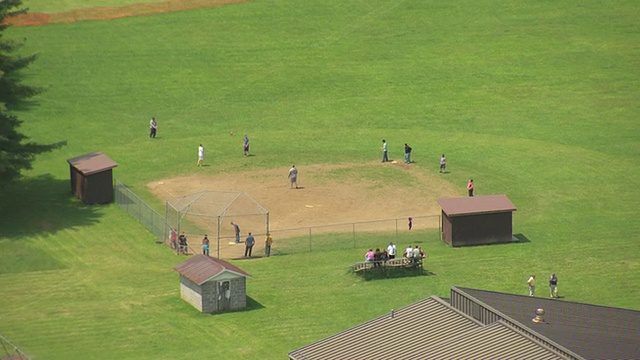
536,100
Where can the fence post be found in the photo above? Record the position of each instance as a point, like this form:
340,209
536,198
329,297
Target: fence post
396,231
354,235
310,248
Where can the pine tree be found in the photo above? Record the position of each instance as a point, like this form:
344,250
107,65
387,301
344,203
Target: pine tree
16,152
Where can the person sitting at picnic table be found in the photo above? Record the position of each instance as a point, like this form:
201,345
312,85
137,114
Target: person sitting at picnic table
416,254
369,256
377,256
422,254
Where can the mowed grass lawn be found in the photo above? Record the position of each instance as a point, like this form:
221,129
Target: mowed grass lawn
535,100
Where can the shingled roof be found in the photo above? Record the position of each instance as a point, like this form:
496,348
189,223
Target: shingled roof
485,204
201,268
591,331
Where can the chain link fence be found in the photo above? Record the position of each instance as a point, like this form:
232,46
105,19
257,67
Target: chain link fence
139,210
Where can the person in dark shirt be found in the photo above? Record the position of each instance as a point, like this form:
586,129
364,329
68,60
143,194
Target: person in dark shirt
407,153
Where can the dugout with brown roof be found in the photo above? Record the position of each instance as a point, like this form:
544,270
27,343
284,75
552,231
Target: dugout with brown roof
212,285
92,177
477,220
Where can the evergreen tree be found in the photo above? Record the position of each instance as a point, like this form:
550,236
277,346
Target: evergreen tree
16,153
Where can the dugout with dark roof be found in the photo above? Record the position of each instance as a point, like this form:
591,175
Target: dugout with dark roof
92,177
477,220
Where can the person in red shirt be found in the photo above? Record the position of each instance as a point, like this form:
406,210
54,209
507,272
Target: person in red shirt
470,187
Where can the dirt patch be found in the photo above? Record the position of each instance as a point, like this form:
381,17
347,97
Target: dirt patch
107,13
328,194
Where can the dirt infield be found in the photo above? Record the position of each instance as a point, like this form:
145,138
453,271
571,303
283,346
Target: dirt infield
328,194
107,13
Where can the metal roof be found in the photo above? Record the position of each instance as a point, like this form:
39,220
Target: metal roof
472,205
201,268
495,341
591,331
392,336
92,163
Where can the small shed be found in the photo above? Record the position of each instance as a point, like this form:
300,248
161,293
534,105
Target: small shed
477,220
92,177
212,285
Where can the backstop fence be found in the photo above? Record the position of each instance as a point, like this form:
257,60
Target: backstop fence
350,235
10,351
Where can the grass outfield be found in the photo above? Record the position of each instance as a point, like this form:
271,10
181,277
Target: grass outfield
535,100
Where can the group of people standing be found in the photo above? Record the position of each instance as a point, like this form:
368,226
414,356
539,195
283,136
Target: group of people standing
553,285
179,243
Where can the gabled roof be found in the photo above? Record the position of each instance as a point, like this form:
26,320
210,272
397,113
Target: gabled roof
201,268
485,204
591,331
428,329
92,163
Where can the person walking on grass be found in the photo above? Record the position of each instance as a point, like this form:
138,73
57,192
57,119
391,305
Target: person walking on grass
443,164
553,286
248,245
385,151
470,187
532,284
293,176
200,155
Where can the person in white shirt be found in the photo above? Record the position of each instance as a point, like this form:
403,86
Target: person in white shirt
391,250
200,154
293,176
408,252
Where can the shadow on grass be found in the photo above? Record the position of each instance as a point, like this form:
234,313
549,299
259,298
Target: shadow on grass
520,238
385,273
252,304
42,205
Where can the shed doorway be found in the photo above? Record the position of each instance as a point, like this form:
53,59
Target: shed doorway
224,296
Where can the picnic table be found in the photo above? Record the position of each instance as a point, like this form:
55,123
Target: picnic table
402,263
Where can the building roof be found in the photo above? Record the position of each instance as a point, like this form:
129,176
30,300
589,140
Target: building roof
425,330
201,268
591,331
495,341
371,340
474,205
435,329
92,163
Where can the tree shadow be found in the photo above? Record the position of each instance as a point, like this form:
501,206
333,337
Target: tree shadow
42,205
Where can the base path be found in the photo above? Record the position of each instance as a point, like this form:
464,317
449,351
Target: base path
107,13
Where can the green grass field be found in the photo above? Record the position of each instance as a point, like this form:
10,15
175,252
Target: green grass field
536,100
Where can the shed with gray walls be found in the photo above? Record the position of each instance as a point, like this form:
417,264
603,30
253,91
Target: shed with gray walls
477,220
212,285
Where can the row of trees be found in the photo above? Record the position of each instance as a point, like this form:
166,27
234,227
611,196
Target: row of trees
17,153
